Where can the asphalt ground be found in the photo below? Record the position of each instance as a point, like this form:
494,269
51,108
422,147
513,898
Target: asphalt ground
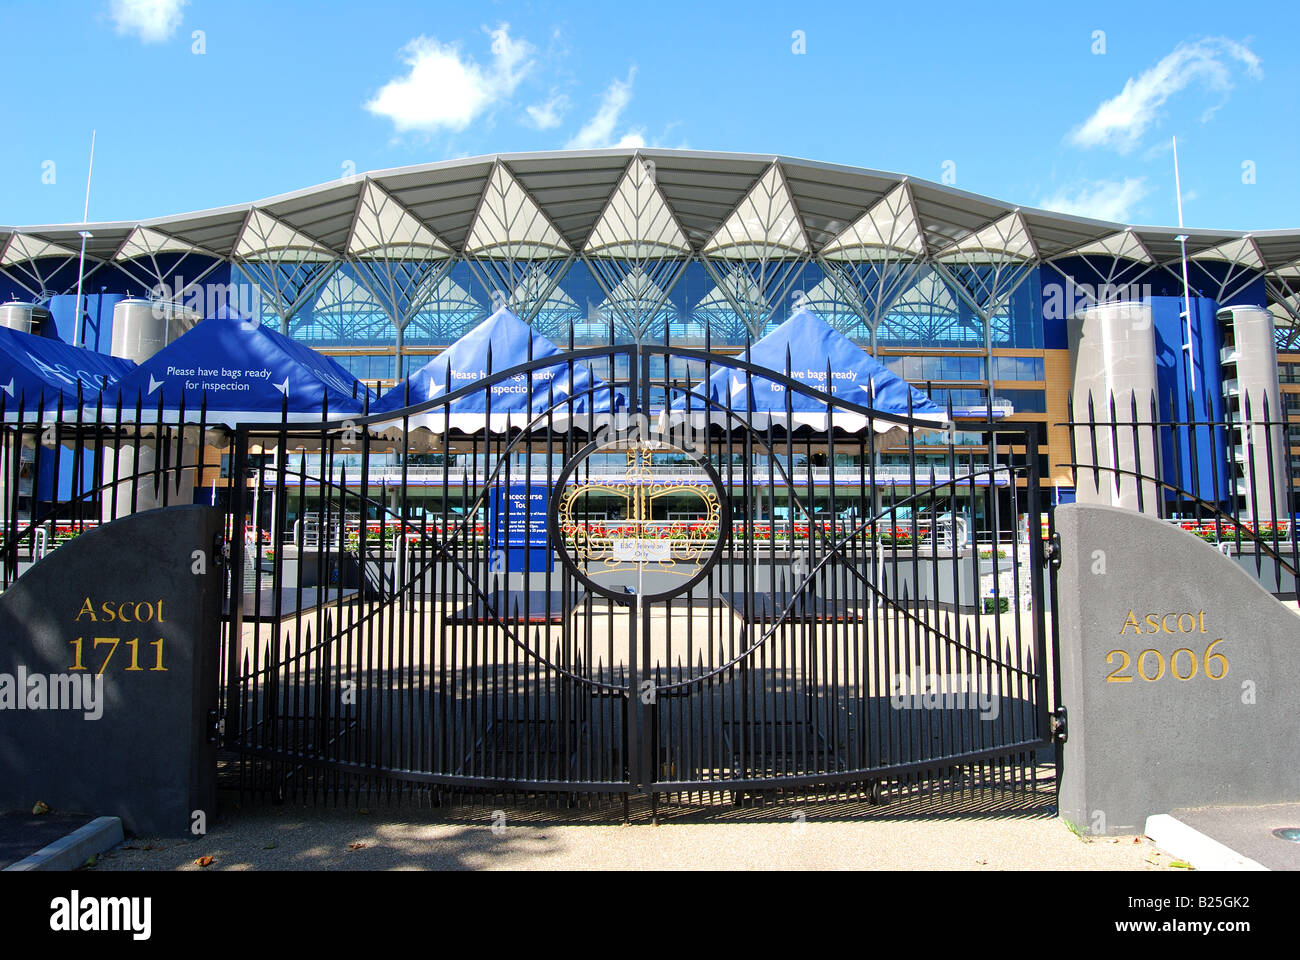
1249,830
22,833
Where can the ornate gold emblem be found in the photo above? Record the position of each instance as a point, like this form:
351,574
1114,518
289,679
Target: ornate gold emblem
638,538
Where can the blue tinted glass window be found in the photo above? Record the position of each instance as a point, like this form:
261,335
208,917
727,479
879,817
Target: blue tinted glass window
1018,368
1025,401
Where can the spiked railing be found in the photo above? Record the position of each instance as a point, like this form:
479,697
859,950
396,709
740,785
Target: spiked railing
1226,476
877,656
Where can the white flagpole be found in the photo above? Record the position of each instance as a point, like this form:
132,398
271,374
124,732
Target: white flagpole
81,264
1187,299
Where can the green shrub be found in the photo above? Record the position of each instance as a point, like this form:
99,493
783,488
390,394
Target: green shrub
1003,604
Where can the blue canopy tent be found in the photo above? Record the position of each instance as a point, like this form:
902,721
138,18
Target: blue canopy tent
247,372
37,375
582,399
806,348
38,370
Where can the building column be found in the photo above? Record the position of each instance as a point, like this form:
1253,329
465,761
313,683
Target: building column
1113,355
1250,371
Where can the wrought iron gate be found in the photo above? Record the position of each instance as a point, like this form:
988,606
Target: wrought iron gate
675,598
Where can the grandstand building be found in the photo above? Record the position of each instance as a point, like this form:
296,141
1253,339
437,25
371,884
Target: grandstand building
989,307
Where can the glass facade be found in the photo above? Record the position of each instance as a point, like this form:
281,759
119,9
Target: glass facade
340,313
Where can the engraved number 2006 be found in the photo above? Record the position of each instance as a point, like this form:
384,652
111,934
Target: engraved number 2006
1151,666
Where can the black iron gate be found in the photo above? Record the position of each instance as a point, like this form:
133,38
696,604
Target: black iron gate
649,585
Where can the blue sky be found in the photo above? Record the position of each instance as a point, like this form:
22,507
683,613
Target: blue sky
202,103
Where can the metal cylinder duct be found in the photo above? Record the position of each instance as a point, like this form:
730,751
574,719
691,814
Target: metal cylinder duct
143,327
25,317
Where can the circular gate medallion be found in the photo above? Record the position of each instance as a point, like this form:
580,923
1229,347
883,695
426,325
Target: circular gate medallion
639,514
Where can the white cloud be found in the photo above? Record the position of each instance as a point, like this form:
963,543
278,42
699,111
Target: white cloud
1120,121
446,89
153,20
599,130
548,115
1100,199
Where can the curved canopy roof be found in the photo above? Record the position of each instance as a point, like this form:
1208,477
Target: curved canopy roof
723,205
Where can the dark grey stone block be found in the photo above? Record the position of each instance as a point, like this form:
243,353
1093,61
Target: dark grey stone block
131,741
1148,733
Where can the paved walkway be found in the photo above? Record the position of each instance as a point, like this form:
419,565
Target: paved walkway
961,837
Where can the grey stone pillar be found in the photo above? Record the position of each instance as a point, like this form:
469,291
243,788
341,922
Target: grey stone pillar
1179,673
1113,354
108,674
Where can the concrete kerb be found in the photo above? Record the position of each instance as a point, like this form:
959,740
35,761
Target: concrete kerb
1189,844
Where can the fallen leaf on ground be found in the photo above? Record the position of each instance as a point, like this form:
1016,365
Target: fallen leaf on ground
204,861
356,846
40,808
